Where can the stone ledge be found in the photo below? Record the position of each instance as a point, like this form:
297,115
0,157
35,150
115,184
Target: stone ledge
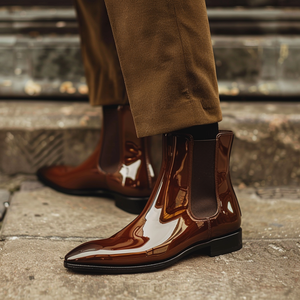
266,150
41,115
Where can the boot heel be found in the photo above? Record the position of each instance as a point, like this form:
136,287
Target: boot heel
226,244
130,204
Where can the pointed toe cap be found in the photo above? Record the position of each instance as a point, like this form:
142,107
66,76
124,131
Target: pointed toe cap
83,253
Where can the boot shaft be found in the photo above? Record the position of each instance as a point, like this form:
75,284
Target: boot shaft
199,181
171,226
125,158
229,214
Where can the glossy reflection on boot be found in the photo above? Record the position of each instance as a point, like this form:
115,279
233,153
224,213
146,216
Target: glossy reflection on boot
120,165
167,225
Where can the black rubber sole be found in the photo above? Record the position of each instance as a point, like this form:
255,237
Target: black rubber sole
133,205
218,246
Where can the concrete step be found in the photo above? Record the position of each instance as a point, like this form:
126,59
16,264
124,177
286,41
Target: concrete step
57,3
41,226
252,3
61,20
209,3
36,133
52,66
266,151
256,52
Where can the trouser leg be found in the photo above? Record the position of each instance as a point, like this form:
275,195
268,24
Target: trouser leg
165,53
166,56
101,63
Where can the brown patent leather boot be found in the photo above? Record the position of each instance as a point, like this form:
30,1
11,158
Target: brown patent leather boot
119,167
192,208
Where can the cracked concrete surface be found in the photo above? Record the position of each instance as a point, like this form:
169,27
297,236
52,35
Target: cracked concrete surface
257,272
42,226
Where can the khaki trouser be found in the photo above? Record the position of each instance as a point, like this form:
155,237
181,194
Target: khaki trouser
156,54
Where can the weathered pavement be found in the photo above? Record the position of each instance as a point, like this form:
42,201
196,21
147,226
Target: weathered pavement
41,226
